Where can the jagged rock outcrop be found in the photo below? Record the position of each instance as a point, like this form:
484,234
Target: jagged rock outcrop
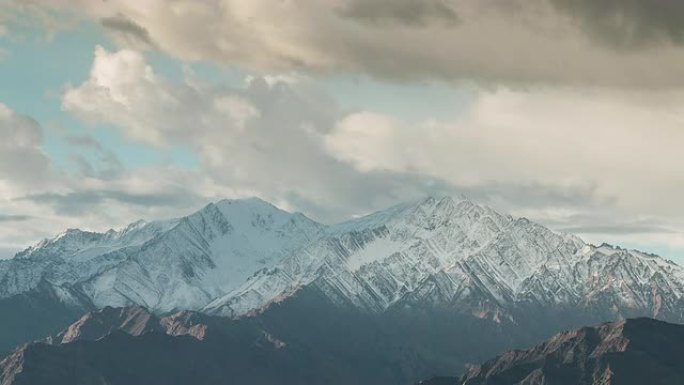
629,352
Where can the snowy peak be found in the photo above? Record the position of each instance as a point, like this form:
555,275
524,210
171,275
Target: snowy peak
163,265
235,257
68,242
78,244
205,255
422,213
253,211
455,253
378,260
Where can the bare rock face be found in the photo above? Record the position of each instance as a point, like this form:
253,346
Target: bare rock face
134,320
129,346
630,352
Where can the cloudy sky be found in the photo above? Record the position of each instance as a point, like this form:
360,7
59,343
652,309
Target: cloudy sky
568,112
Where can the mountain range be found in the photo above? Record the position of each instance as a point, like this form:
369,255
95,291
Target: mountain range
130,346
422,288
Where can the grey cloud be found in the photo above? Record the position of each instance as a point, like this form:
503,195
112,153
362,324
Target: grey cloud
266,138
278,152
351,193
86,141
627,228
22,160
7,252
618,23
413,13
14,218
275,153
79,202
592,213
492,42
526,195
606,220
628,23
125,28
103,163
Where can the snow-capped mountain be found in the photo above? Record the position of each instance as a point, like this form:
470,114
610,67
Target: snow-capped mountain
236,257
453,252
174,264
417,290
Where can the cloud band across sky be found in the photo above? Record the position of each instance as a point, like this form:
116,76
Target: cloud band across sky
635,43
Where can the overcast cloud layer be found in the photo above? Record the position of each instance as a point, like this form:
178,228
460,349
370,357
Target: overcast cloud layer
634,43
576,119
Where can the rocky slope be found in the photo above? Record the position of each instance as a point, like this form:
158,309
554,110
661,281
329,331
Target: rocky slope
131,346
631,352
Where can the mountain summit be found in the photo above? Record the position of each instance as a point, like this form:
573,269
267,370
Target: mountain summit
164,265
451,252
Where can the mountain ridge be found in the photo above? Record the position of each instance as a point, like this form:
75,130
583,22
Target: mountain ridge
133,346
438,265
626,352
233,257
